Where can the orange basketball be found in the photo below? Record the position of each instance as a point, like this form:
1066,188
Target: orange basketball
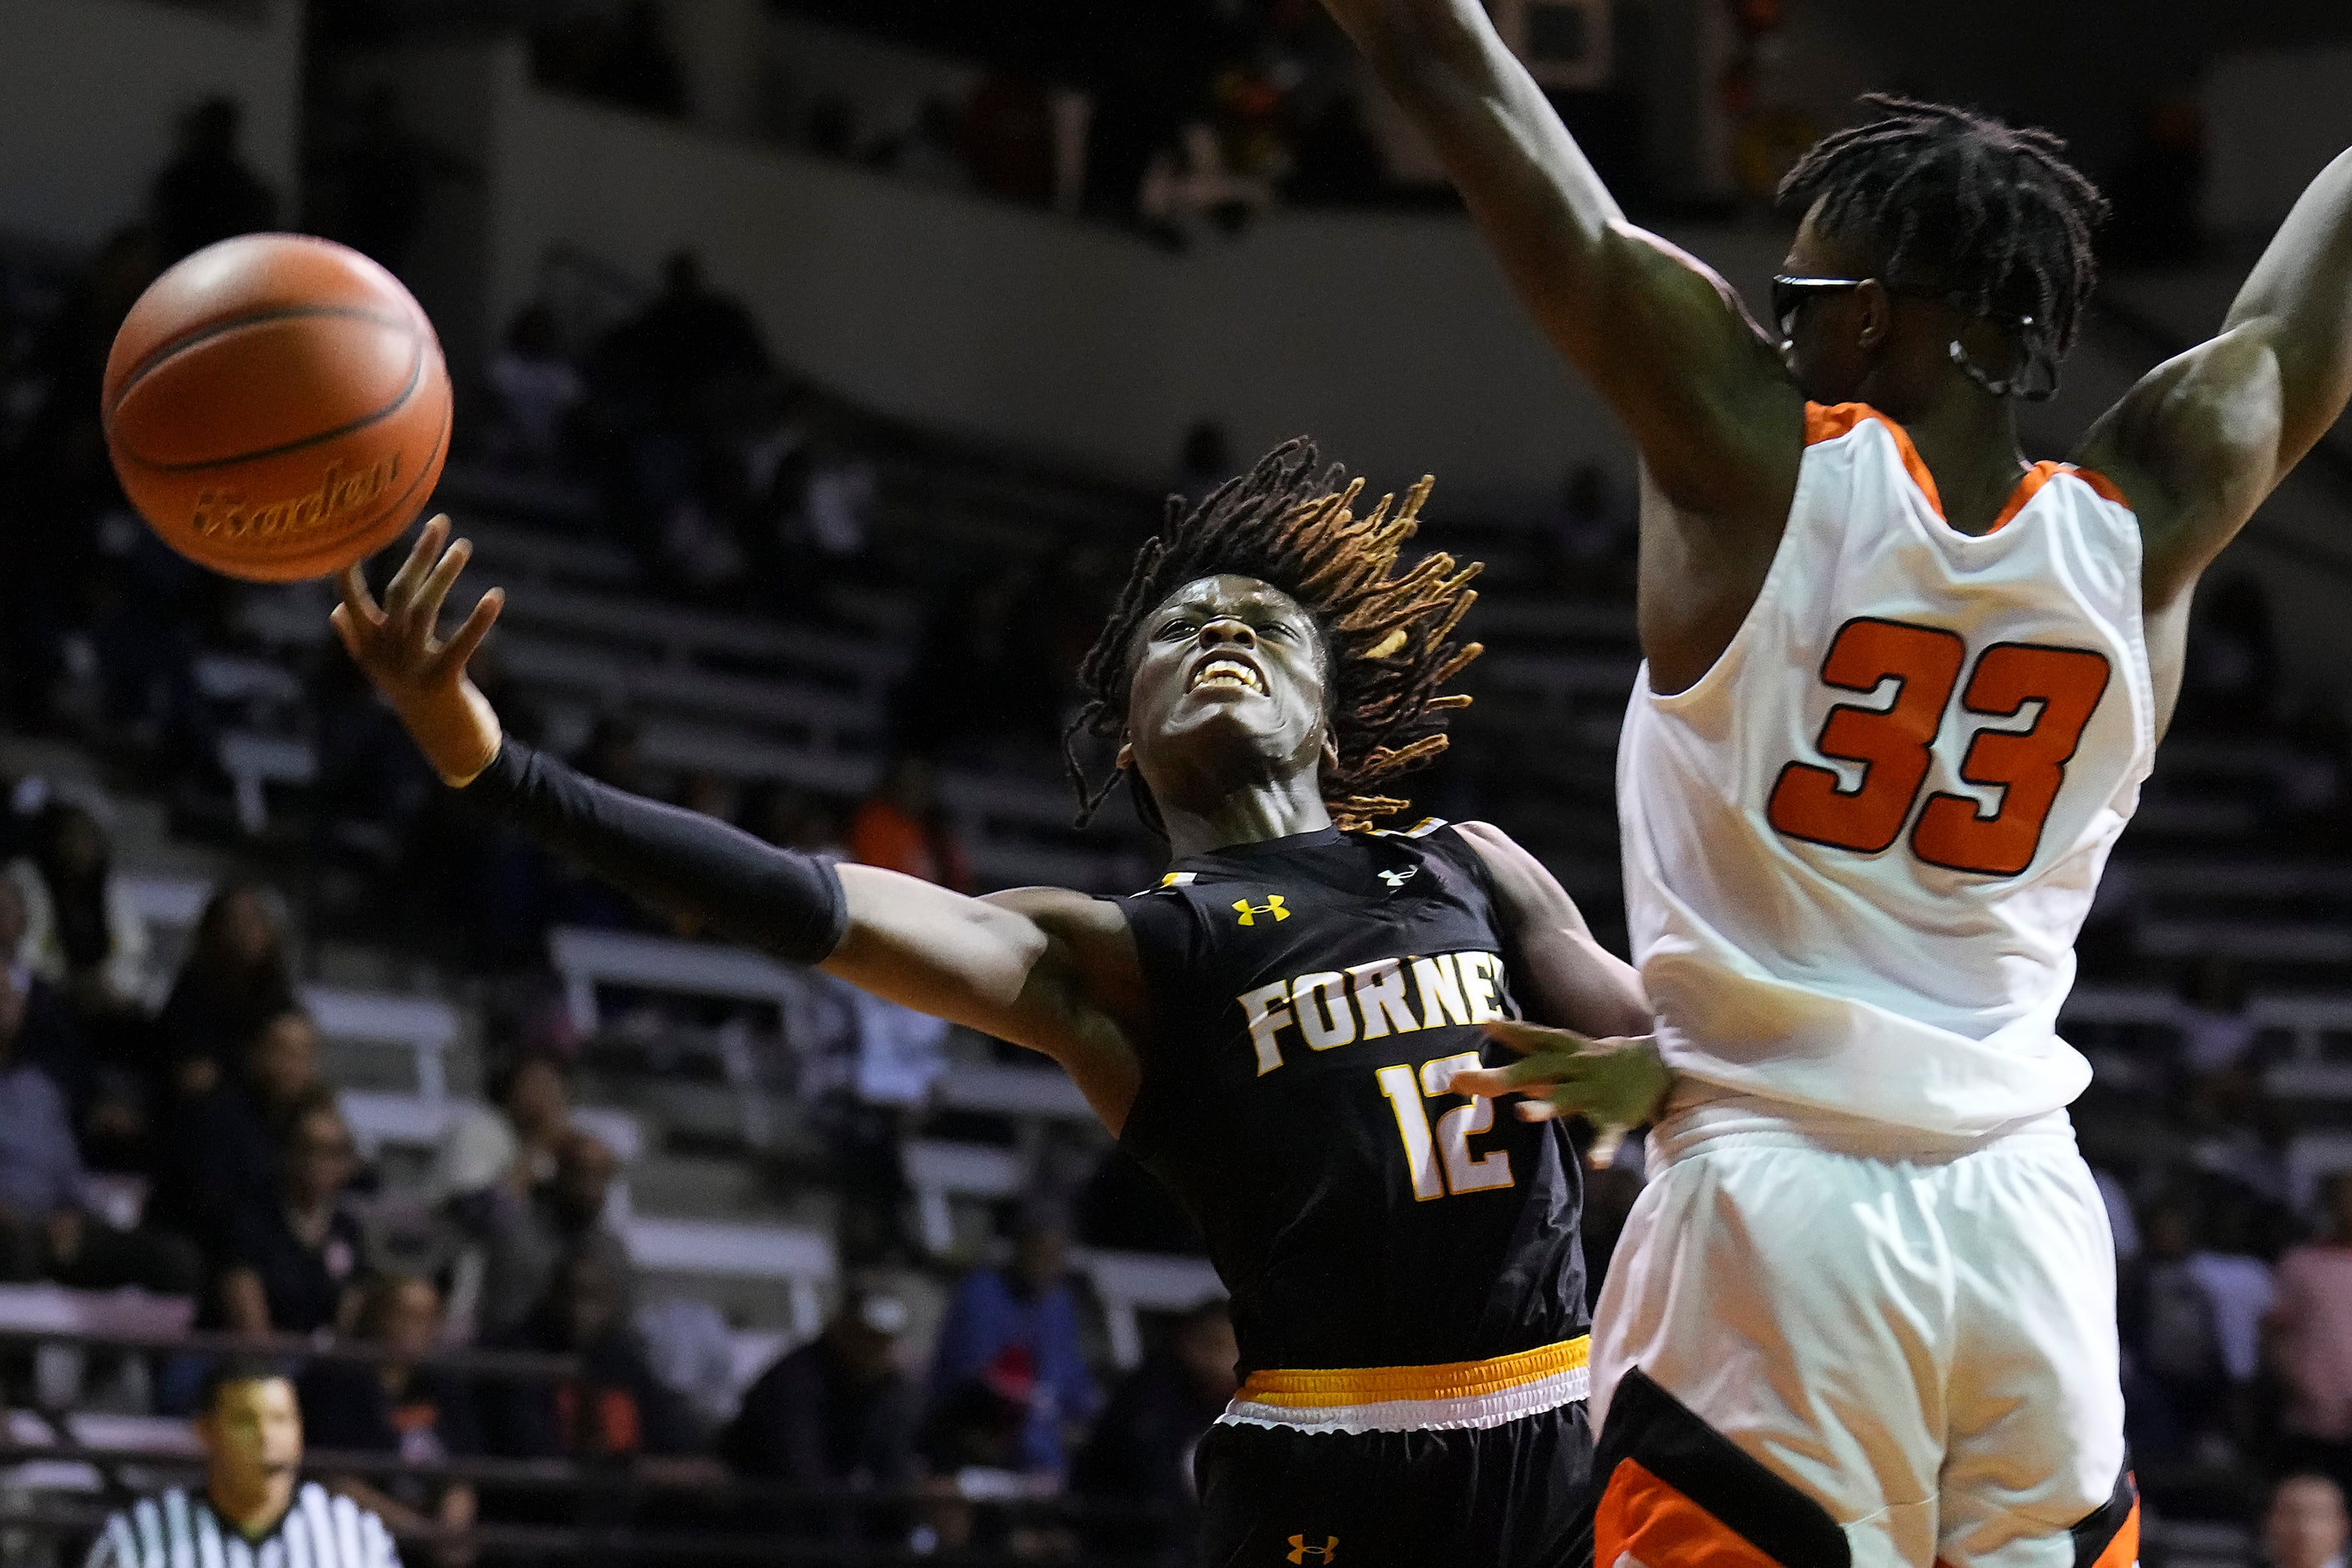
276,407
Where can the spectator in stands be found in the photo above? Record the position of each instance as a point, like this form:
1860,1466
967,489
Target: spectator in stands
2305,1526
82,932
1141,1453
48,1039
690,339
295,1258
1008,137
509,1144
2192,1315
903,828
537,388
534,1238
220,1153
207,193
617,1409
2215,1032
233,980
420,1413
2311,1338
1027,1305
835,1414
44,1231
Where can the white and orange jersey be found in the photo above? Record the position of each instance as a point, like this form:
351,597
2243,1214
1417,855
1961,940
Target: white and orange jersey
1858,850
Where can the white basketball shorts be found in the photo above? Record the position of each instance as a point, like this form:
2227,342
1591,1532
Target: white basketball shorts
1917,1333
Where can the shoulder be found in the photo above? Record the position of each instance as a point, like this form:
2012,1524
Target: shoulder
1520,881
2193,452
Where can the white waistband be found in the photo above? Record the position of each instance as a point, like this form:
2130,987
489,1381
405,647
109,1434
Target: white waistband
1713,1117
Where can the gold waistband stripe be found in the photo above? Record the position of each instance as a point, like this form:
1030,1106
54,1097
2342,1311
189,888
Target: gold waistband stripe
1381,1384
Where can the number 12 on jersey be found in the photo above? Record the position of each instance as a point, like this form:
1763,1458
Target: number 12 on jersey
1440,1159
1891,745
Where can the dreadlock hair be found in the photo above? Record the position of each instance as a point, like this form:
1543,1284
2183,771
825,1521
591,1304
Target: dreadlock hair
1388,637
1989,211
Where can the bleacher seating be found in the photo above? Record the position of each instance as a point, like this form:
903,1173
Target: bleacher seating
1128,1284
939,1171
799,1259
425,1027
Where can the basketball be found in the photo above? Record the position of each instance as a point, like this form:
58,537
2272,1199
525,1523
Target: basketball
276,407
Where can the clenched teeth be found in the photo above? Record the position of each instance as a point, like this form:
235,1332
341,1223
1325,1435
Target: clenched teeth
1230,673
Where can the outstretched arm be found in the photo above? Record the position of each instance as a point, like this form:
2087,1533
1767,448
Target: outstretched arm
1585,1048
1052,970
2204,437
1662,337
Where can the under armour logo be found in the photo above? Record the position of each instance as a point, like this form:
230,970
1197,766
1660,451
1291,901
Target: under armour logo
1300,1551
1399,878
1250,911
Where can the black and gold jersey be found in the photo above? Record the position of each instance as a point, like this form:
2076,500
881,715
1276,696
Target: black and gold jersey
1311,997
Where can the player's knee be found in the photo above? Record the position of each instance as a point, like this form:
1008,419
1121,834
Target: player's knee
1675,1493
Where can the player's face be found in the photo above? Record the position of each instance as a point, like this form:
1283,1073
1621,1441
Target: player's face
1228,689
253,1432
1830,336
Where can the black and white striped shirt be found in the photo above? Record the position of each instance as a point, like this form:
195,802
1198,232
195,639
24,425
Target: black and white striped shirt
180,1530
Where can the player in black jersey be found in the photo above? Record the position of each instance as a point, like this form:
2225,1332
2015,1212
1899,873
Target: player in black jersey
1273,1030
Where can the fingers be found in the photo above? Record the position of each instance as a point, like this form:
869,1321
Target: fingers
400,593
357,600
1525,1038
1491,1083
467,637
346,622
435,591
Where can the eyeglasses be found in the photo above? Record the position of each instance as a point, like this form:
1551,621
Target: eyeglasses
1790,295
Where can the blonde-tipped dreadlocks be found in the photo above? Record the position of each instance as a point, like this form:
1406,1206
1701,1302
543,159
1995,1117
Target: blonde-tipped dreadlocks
1390,637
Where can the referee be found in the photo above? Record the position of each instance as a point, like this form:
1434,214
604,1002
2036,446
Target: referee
254,1511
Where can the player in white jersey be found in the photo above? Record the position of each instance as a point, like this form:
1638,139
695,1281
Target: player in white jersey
1900,690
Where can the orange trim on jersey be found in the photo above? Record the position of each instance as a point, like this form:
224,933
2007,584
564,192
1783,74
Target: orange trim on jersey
1827,422
2123,1551
1659,1527
2042,474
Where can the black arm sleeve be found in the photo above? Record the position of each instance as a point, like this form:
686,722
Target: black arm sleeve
780,900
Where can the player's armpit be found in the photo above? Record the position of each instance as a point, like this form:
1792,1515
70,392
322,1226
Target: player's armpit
1043,967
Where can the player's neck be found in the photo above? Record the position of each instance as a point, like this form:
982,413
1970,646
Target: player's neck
251,1505
1251,815
1969,441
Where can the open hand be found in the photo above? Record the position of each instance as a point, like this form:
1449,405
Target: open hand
1613,1083
422,675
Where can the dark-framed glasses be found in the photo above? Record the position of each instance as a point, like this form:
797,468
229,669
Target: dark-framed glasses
1790,295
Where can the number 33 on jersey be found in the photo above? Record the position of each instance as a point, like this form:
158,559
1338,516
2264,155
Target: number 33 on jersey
1858,849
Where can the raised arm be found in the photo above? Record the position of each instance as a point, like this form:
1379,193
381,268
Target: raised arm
1662,337
1052,970
2204,437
